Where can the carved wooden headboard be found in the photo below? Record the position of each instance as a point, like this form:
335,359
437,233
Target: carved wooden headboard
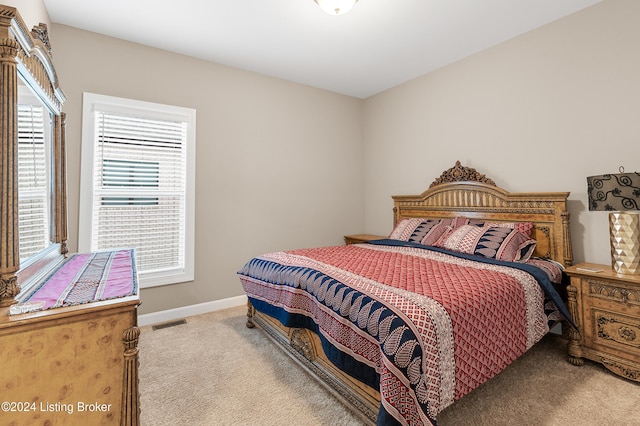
462,191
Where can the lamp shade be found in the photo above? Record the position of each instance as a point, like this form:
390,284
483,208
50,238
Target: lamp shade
336,7
614,192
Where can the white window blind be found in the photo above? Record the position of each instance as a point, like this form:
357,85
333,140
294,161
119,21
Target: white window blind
33,183
139,190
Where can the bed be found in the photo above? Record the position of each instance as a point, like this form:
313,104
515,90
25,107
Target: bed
401,327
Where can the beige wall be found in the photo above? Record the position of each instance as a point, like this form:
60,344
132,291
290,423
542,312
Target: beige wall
540,112
279,165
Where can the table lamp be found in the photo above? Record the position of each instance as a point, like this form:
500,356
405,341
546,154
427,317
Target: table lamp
620,194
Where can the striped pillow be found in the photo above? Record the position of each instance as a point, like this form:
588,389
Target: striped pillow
421,230
493,242
524,227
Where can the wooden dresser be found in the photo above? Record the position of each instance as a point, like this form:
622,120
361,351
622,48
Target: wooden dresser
75,365
70,365
606,308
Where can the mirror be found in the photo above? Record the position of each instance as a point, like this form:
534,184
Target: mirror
34,174
33,227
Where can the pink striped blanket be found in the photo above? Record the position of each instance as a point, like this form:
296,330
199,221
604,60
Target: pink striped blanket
431,326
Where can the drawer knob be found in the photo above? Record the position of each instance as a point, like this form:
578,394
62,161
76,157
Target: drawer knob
627,333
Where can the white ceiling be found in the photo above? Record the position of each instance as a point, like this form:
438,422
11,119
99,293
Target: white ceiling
378,45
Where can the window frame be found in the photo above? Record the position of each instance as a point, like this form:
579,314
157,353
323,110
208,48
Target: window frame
93,102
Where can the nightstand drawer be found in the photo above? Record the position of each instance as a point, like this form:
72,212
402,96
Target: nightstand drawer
603,290
615,330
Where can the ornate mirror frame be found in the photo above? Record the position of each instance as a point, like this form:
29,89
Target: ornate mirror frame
26,56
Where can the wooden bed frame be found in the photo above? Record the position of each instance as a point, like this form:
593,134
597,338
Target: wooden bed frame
459,191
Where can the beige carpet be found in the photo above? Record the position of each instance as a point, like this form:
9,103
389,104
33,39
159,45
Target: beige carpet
215,371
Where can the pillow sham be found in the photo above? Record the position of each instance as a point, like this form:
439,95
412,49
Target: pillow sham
421,230
493,242
524,227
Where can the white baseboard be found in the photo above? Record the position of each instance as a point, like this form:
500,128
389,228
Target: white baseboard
187,311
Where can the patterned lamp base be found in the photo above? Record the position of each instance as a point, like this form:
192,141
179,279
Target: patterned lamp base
624,229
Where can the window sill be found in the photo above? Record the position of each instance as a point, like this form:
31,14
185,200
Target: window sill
161,279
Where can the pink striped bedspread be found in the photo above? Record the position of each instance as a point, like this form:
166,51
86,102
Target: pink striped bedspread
433,326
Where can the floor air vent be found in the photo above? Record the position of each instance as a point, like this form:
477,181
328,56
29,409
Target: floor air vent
168,324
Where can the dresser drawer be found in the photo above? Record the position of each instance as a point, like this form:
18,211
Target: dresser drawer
615,330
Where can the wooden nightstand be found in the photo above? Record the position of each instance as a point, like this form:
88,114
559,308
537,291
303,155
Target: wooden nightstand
606,308
361,238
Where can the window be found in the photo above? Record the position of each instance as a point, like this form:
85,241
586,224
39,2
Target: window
137,184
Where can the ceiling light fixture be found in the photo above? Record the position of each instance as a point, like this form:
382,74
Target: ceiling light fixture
336,7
